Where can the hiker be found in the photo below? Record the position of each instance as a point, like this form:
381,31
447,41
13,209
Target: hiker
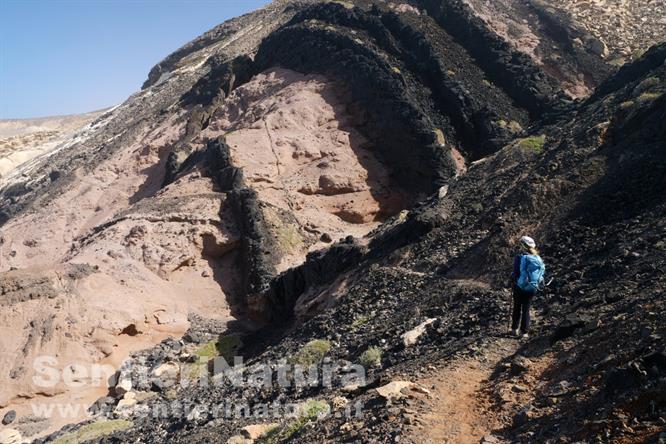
527,276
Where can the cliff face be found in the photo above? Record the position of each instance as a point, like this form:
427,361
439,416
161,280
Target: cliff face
346,171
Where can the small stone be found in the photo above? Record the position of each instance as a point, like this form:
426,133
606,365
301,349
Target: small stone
326,238
598,47
520,365
257,431
519,388
350,388
339,402
394,389
187,357
195,414
524,415
419,389
411,337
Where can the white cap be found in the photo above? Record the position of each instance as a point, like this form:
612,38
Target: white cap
528,241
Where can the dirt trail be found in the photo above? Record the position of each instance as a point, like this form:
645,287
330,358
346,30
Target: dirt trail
462,406
473,398
459,409
459,414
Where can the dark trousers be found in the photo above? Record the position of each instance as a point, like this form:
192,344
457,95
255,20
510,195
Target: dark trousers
521,309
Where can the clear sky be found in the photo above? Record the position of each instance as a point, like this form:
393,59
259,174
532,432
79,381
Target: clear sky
72,56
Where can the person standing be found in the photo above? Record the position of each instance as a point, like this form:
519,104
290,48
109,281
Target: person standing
527,276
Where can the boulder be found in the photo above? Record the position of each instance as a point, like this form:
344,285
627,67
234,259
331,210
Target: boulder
167,370
411,337
333,185
123,386
126,404
656,360
622,379
165,375
9,417
568,327
102,404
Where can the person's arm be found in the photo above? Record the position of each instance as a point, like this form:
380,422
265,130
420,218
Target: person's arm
512,280
516,268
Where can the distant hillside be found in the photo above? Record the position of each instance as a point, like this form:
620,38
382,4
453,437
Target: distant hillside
24,139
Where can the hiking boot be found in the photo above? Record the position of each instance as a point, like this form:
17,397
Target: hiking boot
515,332
525,336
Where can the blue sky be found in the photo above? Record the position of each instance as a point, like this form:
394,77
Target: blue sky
72,56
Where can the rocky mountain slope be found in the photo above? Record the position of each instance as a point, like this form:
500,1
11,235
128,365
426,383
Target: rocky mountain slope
343,183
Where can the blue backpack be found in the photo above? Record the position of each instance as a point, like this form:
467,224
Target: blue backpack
532,270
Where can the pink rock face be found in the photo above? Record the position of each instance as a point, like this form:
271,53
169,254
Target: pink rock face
155,255
299,148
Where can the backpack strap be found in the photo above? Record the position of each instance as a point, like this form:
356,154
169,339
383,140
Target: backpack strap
522,270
